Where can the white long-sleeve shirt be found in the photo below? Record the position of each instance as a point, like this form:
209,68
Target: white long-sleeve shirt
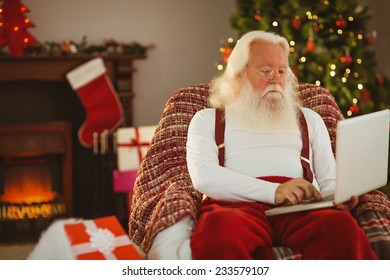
250,154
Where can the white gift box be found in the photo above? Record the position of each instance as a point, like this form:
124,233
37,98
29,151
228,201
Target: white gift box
102,238
132,144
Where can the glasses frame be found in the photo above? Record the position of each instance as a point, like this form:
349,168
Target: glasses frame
272,74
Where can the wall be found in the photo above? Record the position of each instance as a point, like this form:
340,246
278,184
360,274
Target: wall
187,35
380,22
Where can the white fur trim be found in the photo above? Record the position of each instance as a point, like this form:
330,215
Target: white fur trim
83,74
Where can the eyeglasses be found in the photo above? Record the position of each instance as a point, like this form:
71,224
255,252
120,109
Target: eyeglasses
269,74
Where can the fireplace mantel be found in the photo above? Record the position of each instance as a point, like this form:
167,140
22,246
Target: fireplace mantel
54,68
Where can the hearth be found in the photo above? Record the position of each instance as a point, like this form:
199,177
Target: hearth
35,177
34,90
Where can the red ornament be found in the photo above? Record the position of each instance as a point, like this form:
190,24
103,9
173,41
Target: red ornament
354,109
368,39
365,95
226,53
341,22
316,27
296,22
13,27
258,15
346,59
379,79
310,45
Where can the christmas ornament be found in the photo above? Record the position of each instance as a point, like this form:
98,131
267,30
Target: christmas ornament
341,22
99,98
310,45
346,59
379,79
113,46
258,15
354,109
368,39
68,47
316,27
13,27
225,52
296,23
365,95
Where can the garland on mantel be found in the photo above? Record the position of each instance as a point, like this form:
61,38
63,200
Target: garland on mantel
72,48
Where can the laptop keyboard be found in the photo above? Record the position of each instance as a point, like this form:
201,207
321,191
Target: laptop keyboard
326,196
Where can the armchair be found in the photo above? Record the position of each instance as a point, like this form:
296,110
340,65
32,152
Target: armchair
164,194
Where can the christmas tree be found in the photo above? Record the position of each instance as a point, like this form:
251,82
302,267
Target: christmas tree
330,46
13,25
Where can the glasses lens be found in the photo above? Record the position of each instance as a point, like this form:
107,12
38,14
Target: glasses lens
270,74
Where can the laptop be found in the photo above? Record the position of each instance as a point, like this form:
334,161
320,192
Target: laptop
362,152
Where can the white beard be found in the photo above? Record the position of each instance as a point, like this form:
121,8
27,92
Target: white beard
272,109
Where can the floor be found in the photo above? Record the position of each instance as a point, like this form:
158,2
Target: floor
15,251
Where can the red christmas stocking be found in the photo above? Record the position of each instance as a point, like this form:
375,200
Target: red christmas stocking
99,98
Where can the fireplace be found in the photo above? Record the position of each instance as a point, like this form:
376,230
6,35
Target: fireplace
35,177
34,91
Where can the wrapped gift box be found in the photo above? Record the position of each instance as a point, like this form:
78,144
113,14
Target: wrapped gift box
124,180
132,144
99,239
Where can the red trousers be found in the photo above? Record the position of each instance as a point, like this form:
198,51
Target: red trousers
241,231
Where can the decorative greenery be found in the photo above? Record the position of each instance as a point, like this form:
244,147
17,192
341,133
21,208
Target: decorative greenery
71,48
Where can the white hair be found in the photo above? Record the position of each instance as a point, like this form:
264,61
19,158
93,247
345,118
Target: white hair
224,88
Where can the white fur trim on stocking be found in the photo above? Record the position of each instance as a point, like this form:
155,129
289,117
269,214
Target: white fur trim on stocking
86,72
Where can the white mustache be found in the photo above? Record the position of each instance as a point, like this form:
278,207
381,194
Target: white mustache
272,88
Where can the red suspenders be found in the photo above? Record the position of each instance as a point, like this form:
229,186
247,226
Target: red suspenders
220,134
220,141
307,173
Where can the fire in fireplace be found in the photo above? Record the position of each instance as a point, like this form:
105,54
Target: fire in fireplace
35,176
29,188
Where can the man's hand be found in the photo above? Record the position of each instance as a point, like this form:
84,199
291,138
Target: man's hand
349,205
296,190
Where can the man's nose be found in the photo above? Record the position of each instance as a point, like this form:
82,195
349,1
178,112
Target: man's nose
275,79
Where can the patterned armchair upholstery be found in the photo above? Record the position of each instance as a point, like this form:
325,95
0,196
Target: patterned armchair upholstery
164,194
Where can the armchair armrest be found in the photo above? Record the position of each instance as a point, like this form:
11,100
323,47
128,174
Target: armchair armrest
163,192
